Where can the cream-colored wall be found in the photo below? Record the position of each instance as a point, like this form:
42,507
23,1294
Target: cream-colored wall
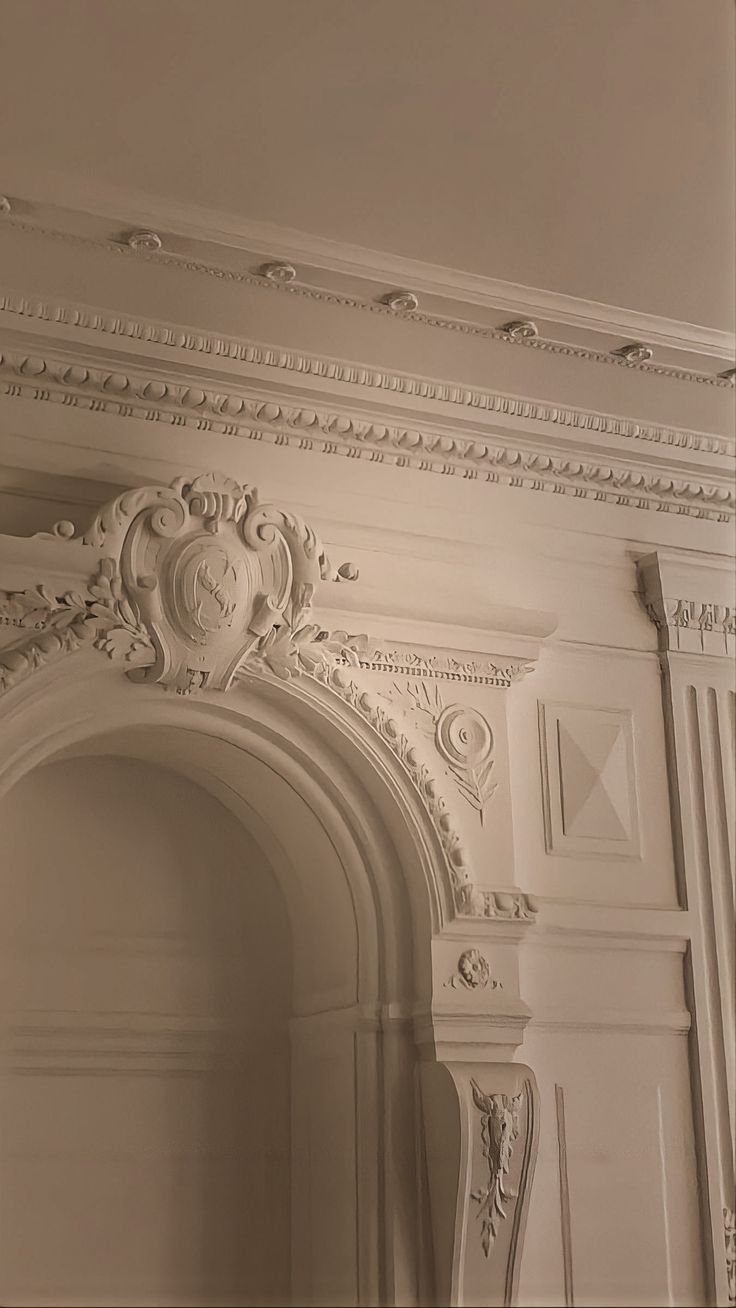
613,987
146,1090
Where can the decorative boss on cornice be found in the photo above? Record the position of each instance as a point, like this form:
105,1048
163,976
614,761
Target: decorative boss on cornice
144,240
636,352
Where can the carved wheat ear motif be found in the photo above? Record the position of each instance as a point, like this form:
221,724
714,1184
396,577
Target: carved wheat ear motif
463,738
475,786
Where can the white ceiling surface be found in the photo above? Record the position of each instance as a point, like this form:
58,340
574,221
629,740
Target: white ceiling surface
580,146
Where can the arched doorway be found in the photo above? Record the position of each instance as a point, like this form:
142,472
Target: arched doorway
145,1145
217,898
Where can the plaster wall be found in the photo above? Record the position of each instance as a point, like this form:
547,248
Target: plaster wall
577,792
146,1086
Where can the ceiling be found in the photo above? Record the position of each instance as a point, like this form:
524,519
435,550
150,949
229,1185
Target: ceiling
580,146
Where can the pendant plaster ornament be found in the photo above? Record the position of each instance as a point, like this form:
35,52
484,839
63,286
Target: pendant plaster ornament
499,1132
462,737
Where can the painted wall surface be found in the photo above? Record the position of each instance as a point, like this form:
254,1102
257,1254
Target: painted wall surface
540,712
145,1095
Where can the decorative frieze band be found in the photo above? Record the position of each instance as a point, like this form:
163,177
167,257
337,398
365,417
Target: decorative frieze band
691,626
408,660
353,374
690,623
485,458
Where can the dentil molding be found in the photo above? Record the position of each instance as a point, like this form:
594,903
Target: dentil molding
217,345
196,584
135,393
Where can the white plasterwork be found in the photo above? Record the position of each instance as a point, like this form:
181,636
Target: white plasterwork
191,586
606,476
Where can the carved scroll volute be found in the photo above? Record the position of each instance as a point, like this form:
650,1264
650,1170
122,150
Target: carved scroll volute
481,1128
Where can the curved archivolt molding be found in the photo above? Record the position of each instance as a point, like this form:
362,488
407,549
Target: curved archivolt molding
196,585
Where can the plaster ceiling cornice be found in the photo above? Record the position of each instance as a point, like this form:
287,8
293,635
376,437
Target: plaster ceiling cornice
197,240
74,327
604,461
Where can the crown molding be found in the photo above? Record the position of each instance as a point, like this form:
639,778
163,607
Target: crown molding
153,249
481,404
139,393
206,226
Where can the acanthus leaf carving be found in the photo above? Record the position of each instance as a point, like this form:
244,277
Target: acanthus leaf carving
190,593
206,577
100,615
500,1126
712,625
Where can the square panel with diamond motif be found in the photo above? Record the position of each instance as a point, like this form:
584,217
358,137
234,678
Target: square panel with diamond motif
589,786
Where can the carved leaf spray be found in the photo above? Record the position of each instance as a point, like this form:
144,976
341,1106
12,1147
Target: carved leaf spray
499,1132
198,583
462,737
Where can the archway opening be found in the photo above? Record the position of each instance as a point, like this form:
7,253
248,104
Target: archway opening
145,1151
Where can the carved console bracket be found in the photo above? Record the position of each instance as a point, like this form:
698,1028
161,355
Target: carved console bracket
481,1123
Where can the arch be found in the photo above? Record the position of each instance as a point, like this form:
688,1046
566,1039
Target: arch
205,592
357,858
299,730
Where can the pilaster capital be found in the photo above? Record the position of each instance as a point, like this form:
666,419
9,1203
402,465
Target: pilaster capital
691,599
